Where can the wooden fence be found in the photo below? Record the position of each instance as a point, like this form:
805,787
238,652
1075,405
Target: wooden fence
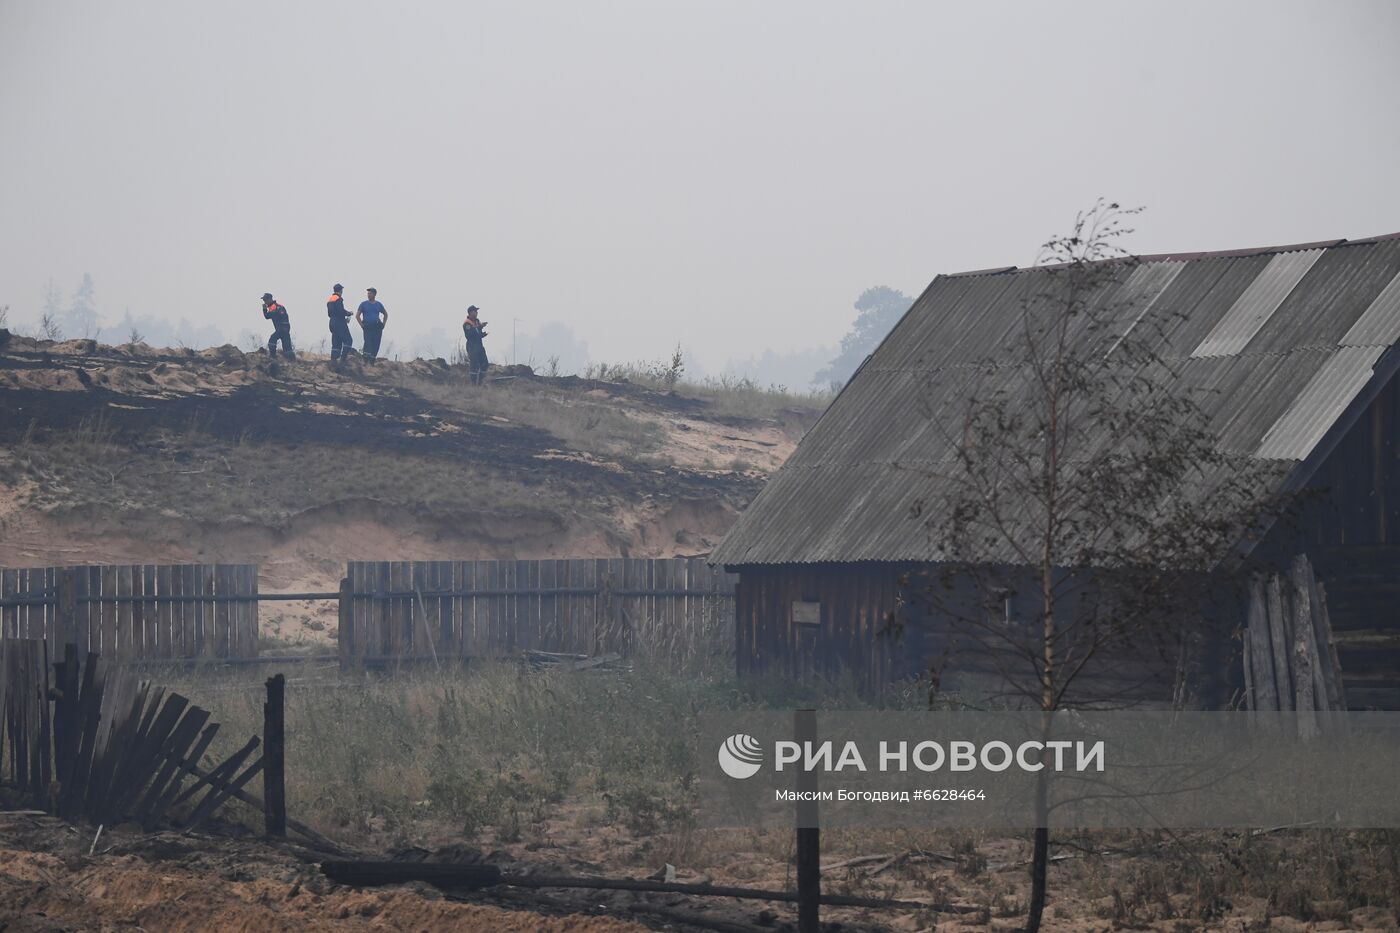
135,611
422,610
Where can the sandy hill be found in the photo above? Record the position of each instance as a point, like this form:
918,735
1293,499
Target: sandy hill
128,453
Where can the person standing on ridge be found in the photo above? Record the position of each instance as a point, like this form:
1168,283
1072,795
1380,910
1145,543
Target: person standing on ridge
281,326
475,332
372,317
342,344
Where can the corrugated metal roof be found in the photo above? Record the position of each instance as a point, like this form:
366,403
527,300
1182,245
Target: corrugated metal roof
1140,293
1252,309
1293,338
1379,326
1326,396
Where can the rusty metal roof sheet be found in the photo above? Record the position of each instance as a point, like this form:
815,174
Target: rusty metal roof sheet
1293,337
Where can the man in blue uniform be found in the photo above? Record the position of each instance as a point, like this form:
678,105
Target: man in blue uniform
372,317
281,327
341,342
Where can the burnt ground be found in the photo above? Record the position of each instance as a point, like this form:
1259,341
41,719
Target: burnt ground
391,420
56,876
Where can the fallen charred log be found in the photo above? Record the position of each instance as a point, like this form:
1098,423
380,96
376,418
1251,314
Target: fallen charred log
447,875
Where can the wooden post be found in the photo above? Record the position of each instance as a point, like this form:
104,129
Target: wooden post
274,788
1336,690
1304,648
1265,692
1280,646
809,846
345,631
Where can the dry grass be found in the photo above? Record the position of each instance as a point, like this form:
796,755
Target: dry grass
206,479
728,396
579,420
497,756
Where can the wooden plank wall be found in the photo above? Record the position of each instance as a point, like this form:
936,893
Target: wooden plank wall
133,612
421,610
867,631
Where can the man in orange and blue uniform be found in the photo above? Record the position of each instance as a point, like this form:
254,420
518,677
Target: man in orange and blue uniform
281,326
342,344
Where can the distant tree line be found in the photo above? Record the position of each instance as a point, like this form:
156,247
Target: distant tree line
78,318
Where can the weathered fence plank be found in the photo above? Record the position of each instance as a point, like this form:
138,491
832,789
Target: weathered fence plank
463,609
134,612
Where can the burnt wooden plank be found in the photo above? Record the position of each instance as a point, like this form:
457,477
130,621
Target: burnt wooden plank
171,752
67,713
184,765
221,773
86,723
274,758
123,704
220,793
142,756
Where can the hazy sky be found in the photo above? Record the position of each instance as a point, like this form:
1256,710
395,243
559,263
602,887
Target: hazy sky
726,175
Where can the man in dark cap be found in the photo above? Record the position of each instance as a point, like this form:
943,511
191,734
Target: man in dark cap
281,327
372,317
474,330
341,343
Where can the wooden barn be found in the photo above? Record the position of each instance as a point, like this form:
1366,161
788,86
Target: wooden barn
1290,351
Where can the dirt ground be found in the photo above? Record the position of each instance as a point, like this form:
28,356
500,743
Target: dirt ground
53,877
48,881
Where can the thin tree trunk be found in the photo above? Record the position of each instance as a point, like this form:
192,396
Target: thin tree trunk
1040,860
1040,844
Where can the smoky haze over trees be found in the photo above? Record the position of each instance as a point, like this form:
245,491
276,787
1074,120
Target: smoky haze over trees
878,310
